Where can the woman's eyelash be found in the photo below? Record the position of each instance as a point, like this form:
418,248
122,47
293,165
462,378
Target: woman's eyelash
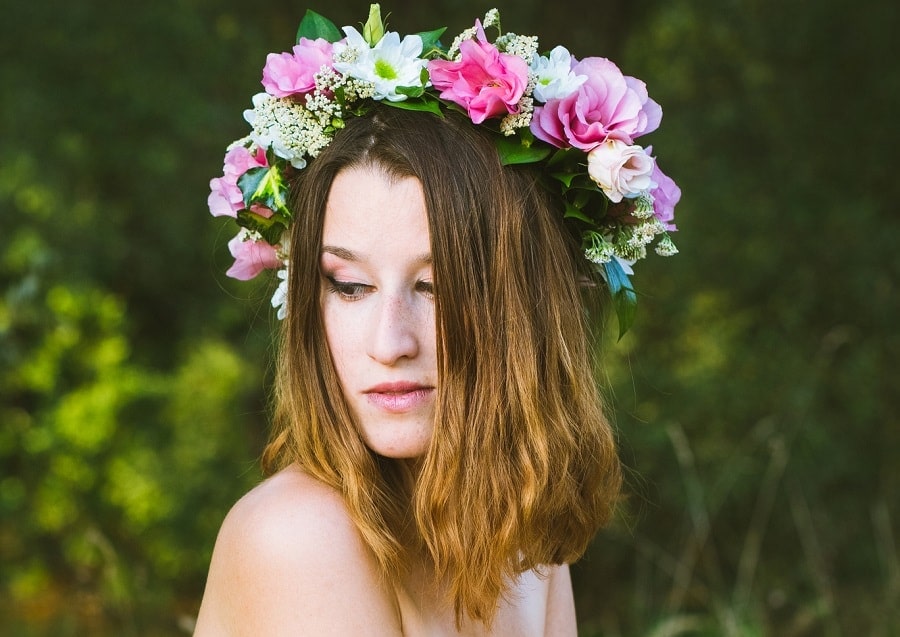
346,289
426,286
351,290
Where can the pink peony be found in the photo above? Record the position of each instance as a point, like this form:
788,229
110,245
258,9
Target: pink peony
225,198
294,73
665,197
251,257
608,105
484,81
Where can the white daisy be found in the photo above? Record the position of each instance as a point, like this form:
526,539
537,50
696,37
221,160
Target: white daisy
388,65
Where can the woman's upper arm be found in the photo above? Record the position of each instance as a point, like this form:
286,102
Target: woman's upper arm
560,604
290,561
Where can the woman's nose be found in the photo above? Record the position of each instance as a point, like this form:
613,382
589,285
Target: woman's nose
395,329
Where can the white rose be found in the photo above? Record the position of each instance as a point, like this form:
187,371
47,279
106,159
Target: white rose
620,170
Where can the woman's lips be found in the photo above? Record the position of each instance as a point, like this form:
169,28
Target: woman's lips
399,397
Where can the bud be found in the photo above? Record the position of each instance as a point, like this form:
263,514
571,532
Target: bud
373,29
665,247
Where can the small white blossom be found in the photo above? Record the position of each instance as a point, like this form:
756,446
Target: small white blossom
554,76
522,119
289,129
329,81
468,34
389,65
523,46
491,18
279,298
599,250
643,234
630,252
665,247
643,206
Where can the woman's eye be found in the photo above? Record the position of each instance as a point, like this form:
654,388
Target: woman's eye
426,288
346,289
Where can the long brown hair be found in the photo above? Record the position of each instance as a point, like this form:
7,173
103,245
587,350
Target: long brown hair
521,470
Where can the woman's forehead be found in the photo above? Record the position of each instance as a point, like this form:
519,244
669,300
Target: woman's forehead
370,212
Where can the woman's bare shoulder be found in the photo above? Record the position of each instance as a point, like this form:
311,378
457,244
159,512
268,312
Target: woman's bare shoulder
289,560
560,619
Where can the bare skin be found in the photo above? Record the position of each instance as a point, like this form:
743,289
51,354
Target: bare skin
289,561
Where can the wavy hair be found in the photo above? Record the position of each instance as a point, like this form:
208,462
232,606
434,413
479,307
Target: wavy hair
521,470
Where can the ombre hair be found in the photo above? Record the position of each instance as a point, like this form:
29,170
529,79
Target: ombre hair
521,470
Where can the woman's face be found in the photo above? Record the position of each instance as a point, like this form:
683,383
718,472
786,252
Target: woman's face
378,307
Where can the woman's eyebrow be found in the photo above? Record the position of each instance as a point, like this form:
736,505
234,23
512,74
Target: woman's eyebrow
341,253
349,255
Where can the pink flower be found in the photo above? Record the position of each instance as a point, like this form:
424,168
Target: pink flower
619,169
294,73
665,196
484,81
251,257
225,198
608,105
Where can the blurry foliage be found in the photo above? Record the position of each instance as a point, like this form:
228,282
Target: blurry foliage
755,401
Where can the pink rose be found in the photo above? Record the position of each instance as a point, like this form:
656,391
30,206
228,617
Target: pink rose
608,105
665,197
294,73
484,81
225,198
619,169
251,257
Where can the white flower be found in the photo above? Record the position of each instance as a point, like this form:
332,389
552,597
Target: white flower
453,51
279,298
643,205
290,130
522,119
388,65
554,78
523,46
620,170
665,247
491,18
599,250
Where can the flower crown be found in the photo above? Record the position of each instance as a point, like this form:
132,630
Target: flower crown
576,119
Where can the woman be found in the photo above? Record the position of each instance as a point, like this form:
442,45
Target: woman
439,453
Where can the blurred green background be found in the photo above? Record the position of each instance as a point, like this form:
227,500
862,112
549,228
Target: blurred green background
756,399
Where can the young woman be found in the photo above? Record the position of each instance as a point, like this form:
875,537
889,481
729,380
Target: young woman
440,453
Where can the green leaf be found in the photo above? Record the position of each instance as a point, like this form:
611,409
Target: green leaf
623,295
574,213
430,39
513,151
565,178
315,26
581,199
270,228
265,186
411,91
249,182
428,106
572,155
